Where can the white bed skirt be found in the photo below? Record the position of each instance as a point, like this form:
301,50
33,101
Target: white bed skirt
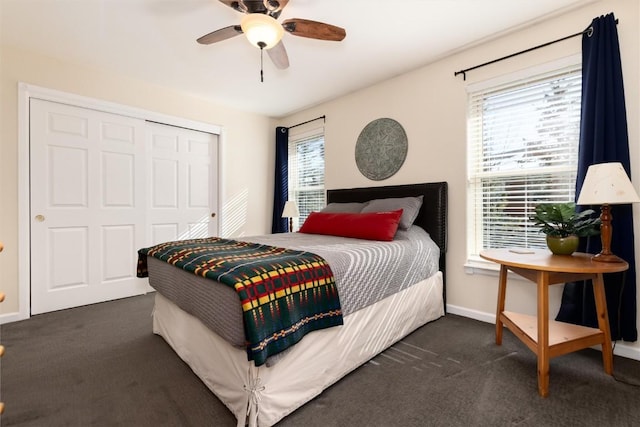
312,365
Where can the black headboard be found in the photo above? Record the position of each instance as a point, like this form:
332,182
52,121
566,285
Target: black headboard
432,216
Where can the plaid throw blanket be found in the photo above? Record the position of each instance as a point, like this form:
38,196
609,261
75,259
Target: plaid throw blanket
284,293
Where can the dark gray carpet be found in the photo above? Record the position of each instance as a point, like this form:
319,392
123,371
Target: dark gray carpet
100,365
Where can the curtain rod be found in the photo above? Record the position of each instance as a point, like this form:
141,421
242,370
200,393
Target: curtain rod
308,121
464,72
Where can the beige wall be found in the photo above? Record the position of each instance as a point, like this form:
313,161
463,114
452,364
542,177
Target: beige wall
430,103
247,145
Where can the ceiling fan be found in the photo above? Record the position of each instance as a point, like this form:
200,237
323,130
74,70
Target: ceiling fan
261,27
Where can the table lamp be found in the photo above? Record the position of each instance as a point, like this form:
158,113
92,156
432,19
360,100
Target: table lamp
290,211
607,184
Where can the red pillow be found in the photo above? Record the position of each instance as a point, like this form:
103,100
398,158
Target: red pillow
370,226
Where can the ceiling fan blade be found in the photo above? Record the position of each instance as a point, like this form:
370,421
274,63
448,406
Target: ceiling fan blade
271,7
278,55
221,34
314,29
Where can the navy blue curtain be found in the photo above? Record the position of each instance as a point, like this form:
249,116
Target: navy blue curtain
604,138
281,187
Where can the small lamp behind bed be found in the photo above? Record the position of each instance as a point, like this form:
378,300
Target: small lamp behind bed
290,211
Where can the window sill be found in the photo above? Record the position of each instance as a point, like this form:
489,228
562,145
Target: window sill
480,266
477,265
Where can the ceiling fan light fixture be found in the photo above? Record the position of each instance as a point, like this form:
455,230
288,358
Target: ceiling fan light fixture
261,29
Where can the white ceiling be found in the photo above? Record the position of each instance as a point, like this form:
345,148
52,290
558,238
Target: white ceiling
155,41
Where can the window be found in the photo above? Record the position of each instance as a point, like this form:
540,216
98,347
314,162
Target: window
522,151
306,173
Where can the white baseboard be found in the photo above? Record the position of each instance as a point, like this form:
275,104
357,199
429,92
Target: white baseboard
625,350
621,349
473,314
10,317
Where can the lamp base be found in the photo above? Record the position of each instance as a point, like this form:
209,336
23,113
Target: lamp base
606,258
606,231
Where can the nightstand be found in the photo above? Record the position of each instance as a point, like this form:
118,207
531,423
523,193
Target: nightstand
549,338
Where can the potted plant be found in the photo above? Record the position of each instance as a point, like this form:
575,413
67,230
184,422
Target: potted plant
564,226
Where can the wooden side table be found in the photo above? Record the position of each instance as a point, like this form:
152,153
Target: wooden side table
549,338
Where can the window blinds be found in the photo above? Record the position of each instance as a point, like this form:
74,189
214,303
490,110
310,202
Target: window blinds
523,150
306,173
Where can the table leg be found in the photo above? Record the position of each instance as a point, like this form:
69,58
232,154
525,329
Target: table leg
603,323
543,333
502,289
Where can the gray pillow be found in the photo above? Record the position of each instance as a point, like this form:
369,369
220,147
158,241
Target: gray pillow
410,207
351,207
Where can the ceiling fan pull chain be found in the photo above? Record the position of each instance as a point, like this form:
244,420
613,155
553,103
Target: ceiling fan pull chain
261,45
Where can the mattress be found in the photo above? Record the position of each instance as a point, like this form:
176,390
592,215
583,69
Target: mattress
365,273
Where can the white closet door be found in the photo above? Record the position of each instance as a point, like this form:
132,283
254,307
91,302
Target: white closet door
104,186
87,210
182,185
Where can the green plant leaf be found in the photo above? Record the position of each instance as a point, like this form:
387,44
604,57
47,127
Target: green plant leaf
562,220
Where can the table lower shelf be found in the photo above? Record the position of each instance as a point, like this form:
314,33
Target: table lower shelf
563,337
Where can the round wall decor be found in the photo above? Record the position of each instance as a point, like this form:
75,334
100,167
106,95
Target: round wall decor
381,149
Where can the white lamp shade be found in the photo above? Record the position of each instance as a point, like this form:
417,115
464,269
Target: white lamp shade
290,210
260,28
607,183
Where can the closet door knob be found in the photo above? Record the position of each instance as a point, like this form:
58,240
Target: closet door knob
39,218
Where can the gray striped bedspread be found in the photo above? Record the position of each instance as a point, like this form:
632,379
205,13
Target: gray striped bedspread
365,272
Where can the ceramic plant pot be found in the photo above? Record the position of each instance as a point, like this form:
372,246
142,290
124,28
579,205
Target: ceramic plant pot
563,245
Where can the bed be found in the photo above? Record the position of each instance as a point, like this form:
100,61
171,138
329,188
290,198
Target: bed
263,394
